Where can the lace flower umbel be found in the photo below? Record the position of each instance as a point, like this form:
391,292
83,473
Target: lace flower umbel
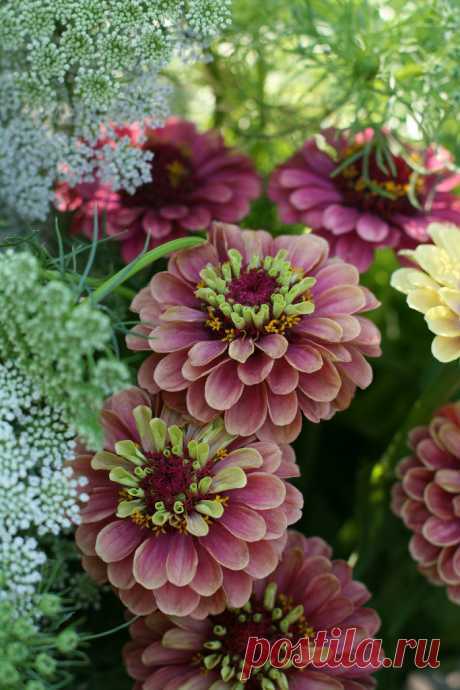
185,516
56,343
39,493
69,66
259,329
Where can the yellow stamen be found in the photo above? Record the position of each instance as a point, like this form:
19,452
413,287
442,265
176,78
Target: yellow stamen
282,324
176,172
140,519
223,500
215,324
230,334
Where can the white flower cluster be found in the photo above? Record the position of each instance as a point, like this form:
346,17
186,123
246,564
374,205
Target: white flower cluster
21,562
69,66
39,494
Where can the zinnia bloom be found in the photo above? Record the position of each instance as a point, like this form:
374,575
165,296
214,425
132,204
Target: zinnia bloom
427,498
183,515
257,328
358,211
195,179
307,593
433,288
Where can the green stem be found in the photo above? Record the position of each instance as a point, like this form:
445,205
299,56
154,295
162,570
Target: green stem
106,633
141,262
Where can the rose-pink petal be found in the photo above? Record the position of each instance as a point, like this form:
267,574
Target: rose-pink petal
242,522
176,601
149,565
237,586
442,532
262,491
339,219
117,540
168,374
372,228
227,550
241,349
245,418
182,560
223,387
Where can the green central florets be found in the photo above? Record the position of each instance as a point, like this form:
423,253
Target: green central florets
174,484
267,296
275,616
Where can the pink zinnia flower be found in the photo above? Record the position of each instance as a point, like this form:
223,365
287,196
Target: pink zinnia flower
355,214
195,179
259,329
184,515
307,593
428,498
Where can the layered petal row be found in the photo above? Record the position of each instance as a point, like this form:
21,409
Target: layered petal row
182,517
427,498
360,199
307,593
257,329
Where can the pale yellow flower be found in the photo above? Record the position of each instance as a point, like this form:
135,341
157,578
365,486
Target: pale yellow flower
433,288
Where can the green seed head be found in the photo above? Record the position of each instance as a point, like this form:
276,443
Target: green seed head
50,605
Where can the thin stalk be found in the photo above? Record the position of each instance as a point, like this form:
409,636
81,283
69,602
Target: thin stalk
106,633
140,263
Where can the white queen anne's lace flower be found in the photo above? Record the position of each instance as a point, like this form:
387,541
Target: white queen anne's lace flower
57,342
37,486
39,494
433,288
21,562
83,63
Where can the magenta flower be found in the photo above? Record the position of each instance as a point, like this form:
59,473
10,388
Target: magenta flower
184,515
195,179
428,498
356,215
258,329
308,592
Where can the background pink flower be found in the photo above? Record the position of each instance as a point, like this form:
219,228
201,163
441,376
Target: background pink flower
308,592
428,498
356,215
195,179
259,329
182,516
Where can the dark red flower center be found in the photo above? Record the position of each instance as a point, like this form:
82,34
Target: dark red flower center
376,186
273,617
252,288
169,480
172,177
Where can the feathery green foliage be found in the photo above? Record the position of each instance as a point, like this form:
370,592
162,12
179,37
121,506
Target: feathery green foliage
62,346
